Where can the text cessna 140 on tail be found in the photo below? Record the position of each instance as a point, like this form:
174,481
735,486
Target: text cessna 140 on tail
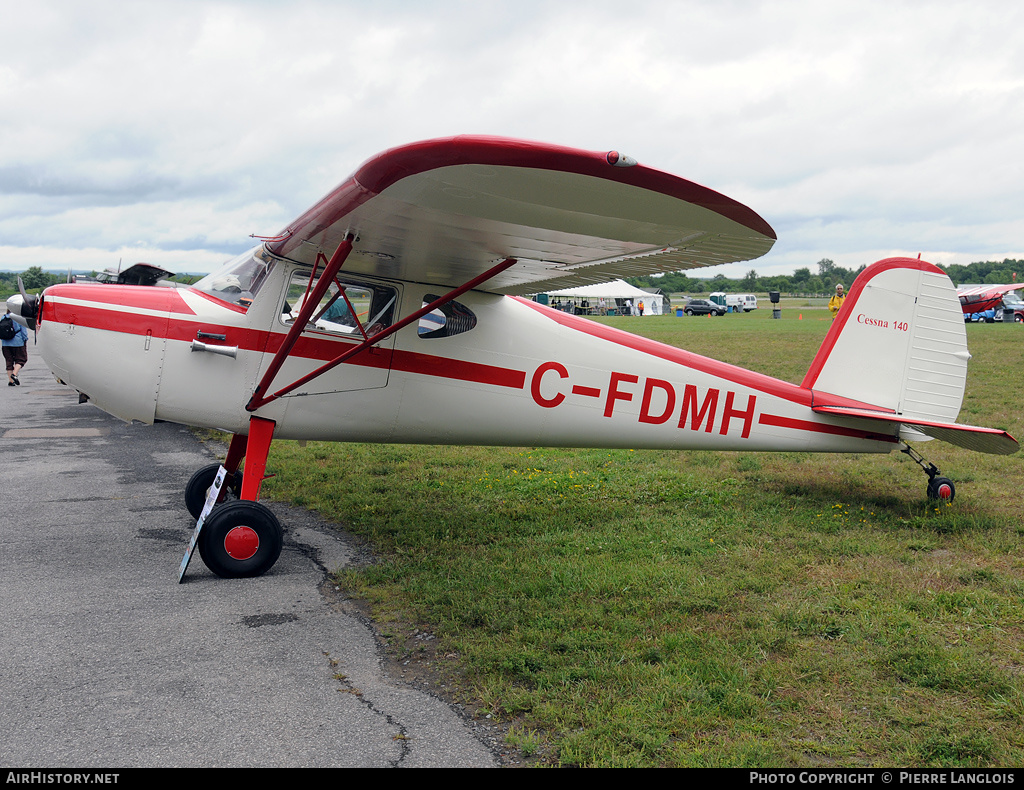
393,311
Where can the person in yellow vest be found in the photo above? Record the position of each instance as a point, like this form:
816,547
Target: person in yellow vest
836,301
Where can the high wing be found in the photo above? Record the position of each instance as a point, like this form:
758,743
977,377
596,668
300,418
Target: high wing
985,297
445,211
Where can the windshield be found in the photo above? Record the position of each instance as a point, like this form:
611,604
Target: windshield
240,279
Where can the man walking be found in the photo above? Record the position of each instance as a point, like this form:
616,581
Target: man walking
14,338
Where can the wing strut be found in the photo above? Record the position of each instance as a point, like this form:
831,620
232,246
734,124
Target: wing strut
308,305
258,399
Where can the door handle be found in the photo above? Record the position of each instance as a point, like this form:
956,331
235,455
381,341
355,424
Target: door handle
224,351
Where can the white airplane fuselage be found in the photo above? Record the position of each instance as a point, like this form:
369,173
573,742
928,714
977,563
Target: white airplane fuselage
383,314
525,375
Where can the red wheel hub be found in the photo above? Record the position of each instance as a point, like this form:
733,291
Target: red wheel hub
944,491
241,543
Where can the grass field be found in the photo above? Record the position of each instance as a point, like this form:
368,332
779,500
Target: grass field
650,608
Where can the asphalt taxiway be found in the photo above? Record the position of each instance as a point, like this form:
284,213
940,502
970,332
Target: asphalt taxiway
107,661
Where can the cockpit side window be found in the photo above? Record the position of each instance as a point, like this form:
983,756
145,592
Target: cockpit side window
240,279
348,307
452,318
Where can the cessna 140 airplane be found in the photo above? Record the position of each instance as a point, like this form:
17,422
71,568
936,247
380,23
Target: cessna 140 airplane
395,310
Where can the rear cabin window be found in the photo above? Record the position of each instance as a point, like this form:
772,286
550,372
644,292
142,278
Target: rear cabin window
452,318
347,307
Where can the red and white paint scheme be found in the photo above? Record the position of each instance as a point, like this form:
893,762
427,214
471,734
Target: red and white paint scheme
396,310
980,298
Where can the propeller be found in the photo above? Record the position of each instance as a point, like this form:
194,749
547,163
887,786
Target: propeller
28,307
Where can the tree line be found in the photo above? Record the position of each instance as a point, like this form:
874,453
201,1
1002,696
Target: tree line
804,282
34,279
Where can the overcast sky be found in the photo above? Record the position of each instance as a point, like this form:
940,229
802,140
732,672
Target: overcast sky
169,132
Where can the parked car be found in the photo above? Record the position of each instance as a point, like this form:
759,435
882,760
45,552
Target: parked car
985,316
1013,303
703,307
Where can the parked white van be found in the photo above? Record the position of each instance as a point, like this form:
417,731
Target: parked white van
744,302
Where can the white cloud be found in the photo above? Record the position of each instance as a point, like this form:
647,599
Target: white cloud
854,128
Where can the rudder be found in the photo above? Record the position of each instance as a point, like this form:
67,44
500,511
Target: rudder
898,343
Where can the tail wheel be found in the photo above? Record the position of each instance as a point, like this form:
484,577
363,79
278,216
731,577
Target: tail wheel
241,539
941,489
199,486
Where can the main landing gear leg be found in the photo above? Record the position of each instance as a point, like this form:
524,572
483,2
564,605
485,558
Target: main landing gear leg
244,538
939,488
199,485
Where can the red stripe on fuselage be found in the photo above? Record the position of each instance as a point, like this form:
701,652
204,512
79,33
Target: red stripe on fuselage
101,318
801,396
443,367
820,427
723,370
309,346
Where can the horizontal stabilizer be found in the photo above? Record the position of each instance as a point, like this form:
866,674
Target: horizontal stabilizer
982,440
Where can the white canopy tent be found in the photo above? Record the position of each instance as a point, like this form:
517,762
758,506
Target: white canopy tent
615,295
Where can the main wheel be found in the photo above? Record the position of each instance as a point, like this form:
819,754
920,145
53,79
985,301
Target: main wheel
241,539
199,486
941,489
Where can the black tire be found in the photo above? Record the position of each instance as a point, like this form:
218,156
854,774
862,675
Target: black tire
941,489
689,313
241,539
1018,318
199,485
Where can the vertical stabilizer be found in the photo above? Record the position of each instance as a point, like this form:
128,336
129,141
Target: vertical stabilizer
899,343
